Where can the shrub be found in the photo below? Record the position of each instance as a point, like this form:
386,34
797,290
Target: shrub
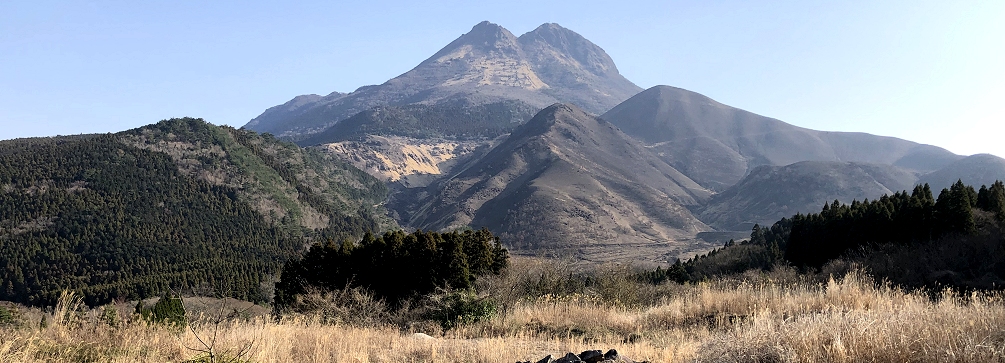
453,308
110,316
169,310
350,306
9,317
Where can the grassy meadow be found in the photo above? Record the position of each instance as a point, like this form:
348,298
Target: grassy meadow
780,316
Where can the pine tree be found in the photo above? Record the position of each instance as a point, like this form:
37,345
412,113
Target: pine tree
757,235
168,310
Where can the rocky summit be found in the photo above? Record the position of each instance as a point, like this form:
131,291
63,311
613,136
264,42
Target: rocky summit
486,65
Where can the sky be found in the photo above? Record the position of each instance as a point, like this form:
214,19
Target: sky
927,71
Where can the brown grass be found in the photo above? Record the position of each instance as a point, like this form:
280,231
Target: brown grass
753,319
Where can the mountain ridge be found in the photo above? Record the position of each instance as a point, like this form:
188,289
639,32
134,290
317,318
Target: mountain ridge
717,145
976,170
770,193
487,64
569,183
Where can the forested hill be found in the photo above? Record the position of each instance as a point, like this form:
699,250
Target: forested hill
180,204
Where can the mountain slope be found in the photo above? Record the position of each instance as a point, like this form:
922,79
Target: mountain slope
716,145
567,183
457,121
575,70
486,65
976,170
181,204
770,193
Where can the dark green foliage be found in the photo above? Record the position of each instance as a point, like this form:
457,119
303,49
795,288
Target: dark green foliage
676,273
993,199
110,316
461,307
395,266
168,310
762,251
954,209
459,121
110,220
267,165
915,220
902,218
315,195
8,317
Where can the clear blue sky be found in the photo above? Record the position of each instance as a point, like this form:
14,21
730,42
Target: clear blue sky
927,71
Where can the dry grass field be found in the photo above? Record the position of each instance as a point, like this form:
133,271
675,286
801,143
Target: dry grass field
752,318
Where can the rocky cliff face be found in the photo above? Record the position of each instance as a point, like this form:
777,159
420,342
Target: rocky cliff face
409,161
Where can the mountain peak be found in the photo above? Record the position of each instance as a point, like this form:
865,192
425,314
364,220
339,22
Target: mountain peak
551,40
488,64
550,27
489,29
547,118
486,26
486,36
559,108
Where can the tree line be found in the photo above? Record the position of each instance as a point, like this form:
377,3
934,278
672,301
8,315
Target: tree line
809,241
394,266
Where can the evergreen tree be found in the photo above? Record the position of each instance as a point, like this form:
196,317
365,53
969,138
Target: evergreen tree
993,199
168,310
901,218
395,266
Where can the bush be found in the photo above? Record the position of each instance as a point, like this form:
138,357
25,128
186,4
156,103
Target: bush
110,316
453,308
169,310
350,306
9,317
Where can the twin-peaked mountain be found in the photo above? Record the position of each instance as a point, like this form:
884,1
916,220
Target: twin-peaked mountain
463,141
492,131
487,65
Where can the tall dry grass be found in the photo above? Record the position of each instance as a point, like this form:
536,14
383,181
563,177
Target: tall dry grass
754,319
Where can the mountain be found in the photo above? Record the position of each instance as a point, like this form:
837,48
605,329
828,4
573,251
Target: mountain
770,193
180,204
568,184
716,145
976,170
452,121
295,107
484,66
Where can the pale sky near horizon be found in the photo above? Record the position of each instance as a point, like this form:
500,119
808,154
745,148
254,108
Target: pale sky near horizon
927,71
